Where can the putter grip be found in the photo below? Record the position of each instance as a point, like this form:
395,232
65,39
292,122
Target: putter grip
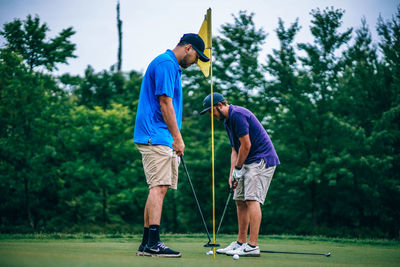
234,185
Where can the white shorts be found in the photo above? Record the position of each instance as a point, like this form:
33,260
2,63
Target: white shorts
255,182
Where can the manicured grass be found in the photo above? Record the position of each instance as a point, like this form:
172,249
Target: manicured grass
119,250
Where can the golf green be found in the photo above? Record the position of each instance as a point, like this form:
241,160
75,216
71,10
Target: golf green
95,250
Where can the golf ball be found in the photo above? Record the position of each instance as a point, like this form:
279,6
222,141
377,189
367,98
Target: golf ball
209,252
236,257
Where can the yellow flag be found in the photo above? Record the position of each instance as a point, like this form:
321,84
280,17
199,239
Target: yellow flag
205,34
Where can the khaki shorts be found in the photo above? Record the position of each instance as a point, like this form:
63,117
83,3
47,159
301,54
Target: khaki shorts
255,182
160,164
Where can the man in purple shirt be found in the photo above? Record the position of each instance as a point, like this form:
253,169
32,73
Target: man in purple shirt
253,163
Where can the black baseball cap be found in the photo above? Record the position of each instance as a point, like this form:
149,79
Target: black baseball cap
197,44
217,97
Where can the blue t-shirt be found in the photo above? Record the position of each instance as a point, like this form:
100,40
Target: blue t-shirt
241,122
162,77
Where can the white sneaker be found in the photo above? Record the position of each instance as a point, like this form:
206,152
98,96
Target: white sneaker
232,246
245,251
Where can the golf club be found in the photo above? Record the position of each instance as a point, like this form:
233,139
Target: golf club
302,253
209,244
226,205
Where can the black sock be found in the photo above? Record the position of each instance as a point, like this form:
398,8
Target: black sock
251,245
239,243
154,235
145,238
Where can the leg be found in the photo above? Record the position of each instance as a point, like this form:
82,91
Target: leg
146,215
256,184
254,211
153,210
154,204
160,166
243,220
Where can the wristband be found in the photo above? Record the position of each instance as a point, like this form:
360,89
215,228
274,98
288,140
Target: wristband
238,168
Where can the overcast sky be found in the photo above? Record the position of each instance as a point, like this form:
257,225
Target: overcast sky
152,26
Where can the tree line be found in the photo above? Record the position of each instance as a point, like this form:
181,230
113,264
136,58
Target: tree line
331,107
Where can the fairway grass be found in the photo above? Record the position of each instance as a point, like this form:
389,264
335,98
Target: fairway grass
95,250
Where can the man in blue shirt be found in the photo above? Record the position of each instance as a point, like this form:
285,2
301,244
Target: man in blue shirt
253,163
157,133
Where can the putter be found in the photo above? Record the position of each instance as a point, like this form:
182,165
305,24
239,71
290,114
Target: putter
226,205
302,253
209,244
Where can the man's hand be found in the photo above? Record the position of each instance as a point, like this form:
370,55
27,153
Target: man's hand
232,183
179,146
237,173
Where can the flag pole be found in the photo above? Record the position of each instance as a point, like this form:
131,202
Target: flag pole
212,125
206,68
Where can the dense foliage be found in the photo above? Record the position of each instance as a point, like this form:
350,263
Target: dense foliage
331,107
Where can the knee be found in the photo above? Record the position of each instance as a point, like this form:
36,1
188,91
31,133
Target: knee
159,190
241,204
252,203
164,189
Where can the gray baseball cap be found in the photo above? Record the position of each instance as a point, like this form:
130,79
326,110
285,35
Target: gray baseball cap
217,97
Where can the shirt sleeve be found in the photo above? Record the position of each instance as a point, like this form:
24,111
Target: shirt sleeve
165,79
240,125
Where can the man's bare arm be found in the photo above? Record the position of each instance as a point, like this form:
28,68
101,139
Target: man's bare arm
245,145
168,113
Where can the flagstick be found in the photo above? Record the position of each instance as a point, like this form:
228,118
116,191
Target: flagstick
212,123
206,68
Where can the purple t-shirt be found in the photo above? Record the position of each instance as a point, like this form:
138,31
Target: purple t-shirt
241,122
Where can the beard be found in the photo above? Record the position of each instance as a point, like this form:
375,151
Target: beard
220,116
185,62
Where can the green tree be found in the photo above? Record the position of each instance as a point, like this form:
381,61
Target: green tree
323,66
347,171
104,88
30,103
289,105
390,43
303,97
28,38
238,72
28,106
101,170
386,131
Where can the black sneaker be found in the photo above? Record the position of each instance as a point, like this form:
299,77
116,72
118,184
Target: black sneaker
140,250
161,250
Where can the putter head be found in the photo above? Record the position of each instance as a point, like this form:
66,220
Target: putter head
209,244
